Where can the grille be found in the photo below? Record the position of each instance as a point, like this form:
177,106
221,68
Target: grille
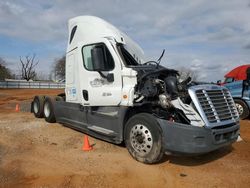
218,105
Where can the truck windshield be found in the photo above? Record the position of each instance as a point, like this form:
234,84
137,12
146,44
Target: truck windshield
229,80
129,60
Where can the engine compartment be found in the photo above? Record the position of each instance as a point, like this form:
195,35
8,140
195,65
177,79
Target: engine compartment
160,90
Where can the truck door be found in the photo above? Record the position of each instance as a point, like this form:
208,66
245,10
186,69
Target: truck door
101,81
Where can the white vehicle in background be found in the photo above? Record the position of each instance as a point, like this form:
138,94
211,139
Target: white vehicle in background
111,93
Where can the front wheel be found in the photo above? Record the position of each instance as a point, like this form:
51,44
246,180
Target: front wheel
143,138
242,108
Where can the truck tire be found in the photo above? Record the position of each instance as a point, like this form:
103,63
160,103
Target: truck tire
242,108
37,106
143,138
49,114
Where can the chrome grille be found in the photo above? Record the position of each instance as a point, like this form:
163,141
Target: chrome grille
218,105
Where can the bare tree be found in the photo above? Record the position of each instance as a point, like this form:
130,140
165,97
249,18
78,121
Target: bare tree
4,71
28,67
59,68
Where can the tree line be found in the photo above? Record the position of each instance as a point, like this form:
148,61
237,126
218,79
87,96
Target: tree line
28,69
4,71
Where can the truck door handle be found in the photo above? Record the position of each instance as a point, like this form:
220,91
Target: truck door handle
85,95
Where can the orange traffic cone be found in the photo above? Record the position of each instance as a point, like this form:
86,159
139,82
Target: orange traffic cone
17,107
86,146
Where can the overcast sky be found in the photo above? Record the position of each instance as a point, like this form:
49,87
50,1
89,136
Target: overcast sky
210,37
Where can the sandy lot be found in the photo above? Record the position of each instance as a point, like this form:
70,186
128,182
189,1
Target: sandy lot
34,153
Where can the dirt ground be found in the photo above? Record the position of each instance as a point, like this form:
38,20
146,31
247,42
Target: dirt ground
34,153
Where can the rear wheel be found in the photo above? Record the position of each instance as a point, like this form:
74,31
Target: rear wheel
37,106
49,114
242,108
143,138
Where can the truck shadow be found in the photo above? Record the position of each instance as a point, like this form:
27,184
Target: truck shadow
198,160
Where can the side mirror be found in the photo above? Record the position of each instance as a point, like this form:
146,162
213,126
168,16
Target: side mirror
98,58
248,74
218,82
99,63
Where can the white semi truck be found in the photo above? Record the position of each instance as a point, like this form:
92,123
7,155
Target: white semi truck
112,94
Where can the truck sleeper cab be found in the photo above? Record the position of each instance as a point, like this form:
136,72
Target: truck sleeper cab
112,94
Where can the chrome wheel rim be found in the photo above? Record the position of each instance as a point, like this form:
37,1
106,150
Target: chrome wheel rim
46,109
239,108
141,139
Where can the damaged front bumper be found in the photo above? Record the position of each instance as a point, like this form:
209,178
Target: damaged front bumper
193,140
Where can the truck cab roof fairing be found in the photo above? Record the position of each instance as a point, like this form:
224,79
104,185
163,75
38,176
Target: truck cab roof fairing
91,27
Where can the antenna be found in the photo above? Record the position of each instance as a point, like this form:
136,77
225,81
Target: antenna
159,60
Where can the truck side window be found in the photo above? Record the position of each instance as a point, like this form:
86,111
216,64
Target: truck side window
104,61
72,34
127,57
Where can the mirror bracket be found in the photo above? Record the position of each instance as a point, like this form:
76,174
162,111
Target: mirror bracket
109,77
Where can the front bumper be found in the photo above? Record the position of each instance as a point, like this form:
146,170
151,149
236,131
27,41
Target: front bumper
187,139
